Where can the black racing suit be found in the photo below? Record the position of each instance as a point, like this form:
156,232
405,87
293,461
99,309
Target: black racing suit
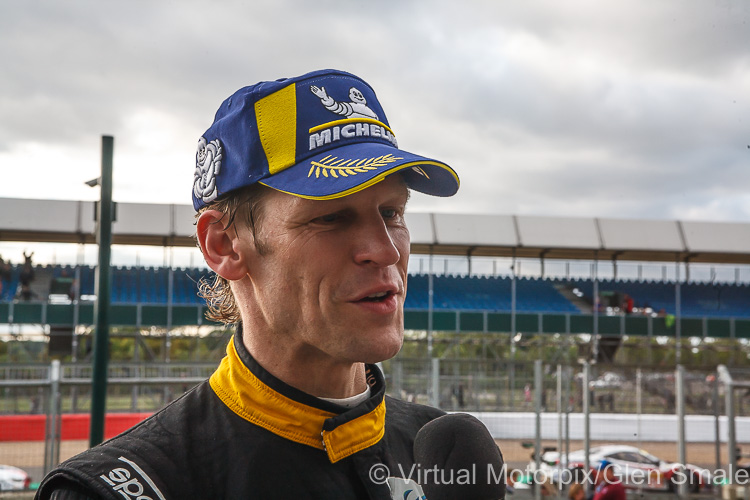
245,434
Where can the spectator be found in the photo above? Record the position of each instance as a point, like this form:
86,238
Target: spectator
598,305
73,294
458,392
26,277
610,402
608,485
6,275
628,304
606,402
510,483
547,488
576,492
64,285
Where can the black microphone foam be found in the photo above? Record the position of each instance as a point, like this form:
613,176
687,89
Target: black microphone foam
458,460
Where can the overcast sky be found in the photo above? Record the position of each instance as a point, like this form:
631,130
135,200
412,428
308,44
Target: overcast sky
637,109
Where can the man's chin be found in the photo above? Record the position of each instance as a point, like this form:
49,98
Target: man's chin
384,351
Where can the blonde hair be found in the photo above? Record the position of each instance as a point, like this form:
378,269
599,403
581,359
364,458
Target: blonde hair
215,290
574,489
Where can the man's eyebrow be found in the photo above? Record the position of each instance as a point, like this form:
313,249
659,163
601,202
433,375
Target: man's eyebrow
398,198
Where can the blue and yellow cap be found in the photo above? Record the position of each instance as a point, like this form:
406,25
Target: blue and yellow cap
320,136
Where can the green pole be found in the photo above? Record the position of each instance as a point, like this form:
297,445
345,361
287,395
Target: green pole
101,307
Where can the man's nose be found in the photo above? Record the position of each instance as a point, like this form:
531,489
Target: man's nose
375,245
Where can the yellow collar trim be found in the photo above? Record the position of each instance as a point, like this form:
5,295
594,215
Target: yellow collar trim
358,434
254,401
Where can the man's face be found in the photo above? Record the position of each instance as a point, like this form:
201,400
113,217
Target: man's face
607,475
331,283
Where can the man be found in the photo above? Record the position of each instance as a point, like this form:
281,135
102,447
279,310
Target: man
608,485
301,217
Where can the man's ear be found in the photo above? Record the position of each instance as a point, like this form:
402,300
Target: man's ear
218,246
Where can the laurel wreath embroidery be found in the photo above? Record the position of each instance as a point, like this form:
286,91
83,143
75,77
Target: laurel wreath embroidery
334,166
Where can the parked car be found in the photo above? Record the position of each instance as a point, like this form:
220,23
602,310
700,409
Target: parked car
13,478
608,380
636,468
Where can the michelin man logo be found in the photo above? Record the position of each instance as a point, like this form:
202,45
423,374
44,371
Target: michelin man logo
357,108
362,122
207,167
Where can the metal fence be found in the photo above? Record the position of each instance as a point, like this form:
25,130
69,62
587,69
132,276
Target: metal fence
678,415
501,386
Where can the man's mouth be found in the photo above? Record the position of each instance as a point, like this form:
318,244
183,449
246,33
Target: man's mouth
376,297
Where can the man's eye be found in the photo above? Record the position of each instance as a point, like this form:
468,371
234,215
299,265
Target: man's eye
327,219
389,213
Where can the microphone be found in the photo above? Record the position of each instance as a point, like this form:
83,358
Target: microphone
458,459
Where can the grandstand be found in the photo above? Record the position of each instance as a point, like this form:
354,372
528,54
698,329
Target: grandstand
151,285
161,286
469,300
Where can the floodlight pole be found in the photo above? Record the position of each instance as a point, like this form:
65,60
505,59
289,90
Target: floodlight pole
678,314
679,380
102,290
538,390
586,402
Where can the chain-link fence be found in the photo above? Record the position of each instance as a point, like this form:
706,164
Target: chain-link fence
676,415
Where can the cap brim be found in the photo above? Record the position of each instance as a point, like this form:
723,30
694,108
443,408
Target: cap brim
346,170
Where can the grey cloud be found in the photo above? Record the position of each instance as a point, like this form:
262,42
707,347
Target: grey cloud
637,108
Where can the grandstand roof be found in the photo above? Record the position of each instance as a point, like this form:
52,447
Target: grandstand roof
444,234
